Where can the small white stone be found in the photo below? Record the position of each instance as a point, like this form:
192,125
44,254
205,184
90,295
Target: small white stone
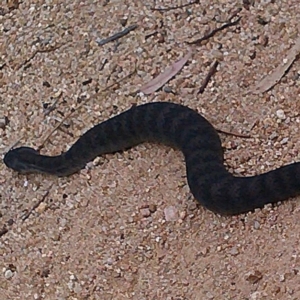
8,274
171,213
282,278
70,285
284,141
3,122
72,277
256,225
280,114
109,261
234,251
77,288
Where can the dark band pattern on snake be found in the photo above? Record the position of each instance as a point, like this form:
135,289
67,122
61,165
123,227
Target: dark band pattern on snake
180,127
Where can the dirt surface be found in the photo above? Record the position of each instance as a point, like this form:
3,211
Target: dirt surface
127,227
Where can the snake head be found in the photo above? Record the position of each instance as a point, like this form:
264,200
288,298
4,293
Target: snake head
21,159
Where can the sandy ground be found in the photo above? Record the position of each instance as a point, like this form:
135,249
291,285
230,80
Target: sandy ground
127,226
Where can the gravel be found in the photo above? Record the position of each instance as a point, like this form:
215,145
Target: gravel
127,227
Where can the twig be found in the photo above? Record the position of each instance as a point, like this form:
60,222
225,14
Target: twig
52,107
81,104
36,205
117,35
214,31
104,62
50,49
174,7
211,72
246,136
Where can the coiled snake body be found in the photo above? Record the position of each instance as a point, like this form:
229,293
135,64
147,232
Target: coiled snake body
181,127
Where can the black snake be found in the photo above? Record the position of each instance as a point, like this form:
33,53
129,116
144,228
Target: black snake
183,128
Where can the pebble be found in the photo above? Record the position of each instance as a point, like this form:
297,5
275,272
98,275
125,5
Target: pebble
3,122
171,213
256,225
145,212
77,288
192,205
255,296
8,274
254,277
284,141
176,266
41,208
152,208
182,215
234,251
273,136
280,114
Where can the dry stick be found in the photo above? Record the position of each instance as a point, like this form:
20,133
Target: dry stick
211,72
52,107
213,32
117,35
174,7
81,104
52,48
36,205
246,136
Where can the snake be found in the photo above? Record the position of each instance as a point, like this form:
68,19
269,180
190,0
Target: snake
183,128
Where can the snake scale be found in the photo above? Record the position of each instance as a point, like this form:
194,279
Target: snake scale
180,127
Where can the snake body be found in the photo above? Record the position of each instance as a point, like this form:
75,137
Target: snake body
180,127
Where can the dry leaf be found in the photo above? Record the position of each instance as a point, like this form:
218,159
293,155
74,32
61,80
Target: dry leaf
165,76
272,79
